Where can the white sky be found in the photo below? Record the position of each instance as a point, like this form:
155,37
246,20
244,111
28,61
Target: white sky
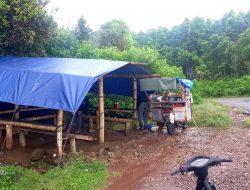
141,15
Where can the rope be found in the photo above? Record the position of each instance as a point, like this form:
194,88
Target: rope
67,136
6,136
199,133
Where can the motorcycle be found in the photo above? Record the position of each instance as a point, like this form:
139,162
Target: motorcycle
200,165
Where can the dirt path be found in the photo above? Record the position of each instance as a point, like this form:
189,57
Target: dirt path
146,162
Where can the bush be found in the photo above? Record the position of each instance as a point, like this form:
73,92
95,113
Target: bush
225,87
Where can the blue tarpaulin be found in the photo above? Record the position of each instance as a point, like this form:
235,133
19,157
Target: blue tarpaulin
56,83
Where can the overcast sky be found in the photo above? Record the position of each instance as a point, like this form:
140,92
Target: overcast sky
142,15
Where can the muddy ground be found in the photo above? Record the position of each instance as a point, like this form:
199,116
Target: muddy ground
144,160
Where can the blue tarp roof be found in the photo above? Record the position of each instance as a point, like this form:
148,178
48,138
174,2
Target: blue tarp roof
56,83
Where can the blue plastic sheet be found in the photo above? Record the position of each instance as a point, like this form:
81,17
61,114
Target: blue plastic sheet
56,83
184,82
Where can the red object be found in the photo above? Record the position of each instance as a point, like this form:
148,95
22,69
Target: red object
116,105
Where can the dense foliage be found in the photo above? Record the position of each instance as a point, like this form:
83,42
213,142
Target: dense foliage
224,87
197,49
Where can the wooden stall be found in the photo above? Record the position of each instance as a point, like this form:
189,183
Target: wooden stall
23,125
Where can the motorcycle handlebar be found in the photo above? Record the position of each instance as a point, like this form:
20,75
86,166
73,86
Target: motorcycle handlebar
226,160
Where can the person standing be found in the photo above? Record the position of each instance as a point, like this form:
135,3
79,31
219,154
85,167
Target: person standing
143,112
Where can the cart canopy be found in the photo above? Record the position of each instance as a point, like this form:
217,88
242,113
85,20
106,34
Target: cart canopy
159,84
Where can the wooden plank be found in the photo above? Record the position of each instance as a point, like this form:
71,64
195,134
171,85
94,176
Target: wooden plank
9,137
101,111
59,133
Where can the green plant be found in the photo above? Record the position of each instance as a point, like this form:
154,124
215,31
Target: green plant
211,114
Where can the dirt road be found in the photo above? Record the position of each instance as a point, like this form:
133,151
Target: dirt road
146,161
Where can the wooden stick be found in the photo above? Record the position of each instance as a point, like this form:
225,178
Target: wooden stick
29,125
9,137
44,117
101,111
59,133
1,131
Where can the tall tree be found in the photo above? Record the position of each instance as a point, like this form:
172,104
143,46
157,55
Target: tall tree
115,33
82,31
27,28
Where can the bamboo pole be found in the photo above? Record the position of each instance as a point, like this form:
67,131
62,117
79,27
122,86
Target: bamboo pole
21,134
101,111
59,133
22,141
9,137
21,110
38,118
135,125
28,125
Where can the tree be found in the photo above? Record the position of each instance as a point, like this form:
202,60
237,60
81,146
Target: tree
63,44
26,27
82,31
115,33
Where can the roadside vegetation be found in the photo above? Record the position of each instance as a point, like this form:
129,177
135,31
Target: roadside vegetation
211,114
224,87
74,175
246,123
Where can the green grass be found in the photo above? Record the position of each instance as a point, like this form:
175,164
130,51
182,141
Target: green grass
74,175
211,114
246,123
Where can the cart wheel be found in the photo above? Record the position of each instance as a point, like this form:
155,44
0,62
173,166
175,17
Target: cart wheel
171,128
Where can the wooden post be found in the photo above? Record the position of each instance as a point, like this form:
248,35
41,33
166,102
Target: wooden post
126,128
59,133
1,133
101,111
135,124
72,142
91,127
22,141
9,135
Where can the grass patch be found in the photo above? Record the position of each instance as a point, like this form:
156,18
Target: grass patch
74,175
211,114
246,123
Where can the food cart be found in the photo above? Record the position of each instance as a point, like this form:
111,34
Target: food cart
170,101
